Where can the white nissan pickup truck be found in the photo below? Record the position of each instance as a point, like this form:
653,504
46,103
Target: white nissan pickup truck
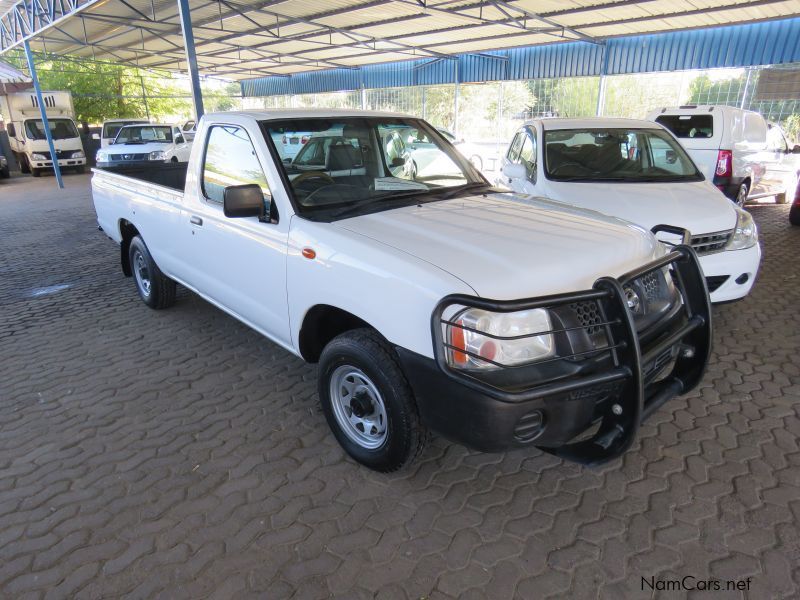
430,303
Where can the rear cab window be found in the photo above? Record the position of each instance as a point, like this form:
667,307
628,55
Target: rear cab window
688,126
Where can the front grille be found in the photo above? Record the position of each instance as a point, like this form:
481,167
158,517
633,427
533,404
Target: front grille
715,282
588,315
651,284
121,157
711,242
61,154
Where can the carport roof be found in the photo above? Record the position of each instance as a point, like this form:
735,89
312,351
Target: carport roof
244,39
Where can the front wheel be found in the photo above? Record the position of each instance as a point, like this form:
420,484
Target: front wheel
36,172
24,165
155,289
794,215
741,195
368,402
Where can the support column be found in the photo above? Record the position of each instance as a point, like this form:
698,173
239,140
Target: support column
424,102
746,87
601,91
363,98
45,123
191,58
144,97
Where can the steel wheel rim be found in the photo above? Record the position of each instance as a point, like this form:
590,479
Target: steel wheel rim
358,407
741,197
142,272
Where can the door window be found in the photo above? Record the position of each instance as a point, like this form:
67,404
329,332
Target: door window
516,144
527,154
230,159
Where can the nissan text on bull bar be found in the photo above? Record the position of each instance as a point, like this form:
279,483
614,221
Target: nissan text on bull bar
430,299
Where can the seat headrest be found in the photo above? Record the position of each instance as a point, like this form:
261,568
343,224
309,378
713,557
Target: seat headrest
343,157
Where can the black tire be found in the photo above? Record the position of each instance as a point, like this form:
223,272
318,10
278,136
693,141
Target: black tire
5,173
174,159
405,435
24,165
36,172
794,215
476,161
80,170
741,195
780,198
155,289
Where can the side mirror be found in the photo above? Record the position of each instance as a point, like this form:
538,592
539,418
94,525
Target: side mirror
796,149
398,161
12,130
515,171
95,136
243,201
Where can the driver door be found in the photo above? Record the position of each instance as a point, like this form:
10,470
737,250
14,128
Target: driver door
240,264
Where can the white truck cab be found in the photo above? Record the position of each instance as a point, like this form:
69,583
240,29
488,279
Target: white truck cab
637,171
433,302
26,134
737,150
111,128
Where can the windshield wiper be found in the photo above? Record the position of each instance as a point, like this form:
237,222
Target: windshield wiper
383,199
461,188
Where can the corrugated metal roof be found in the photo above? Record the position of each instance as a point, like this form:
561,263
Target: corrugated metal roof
773,42
9,74
243,39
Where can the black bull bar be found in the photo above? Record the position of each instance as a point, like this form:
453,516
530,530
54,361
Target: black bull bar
637,396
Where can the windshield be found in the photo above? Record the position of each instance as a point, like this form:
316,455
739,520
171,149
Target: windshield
60,129
110,130
629,155
357,165
144,134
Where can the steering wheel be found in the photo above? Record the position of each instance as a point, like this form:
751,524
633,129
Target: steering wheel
312,175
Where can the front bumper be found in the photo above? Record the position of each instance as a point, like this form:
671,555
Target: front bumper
730,274
62,162
593,414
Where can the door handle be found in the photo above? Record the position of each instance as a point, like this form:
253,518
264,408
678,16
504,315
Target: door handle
196,221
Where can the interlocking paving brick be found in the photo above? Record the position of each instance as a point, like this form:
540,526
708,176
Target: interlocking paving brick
141,457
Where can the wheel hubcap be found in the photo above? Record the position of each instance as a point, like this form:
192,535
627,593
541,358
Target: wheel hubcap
742,197
142,272
358,407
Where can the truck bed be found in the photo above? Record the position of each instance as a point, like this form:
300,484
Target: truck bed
170,175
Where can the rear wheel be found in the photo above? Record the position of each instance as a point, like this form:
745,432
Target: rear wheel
24,165
368,402
155,289
741,195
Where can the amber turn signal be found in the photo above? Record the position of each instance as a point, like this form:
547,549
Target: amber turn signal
309,253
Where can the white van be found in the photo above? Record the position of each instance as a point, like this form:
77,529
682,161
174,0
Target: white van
735,149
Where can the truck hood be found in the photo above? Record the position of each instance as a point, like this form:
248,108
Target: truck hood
697,205
137,148
505,249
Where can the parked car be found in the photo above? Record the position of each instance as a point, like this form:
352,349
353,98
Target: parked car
467,149
4,172
736,150
111,128
445,305
145,143
636,170
333,153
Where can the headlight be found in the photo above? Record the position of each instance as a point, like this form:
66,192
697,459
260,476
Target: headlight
101,157
746,233
78,154
158,155
477,333
37,156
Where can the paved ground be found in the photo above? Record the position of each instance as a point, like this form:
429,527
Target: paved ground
177,454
